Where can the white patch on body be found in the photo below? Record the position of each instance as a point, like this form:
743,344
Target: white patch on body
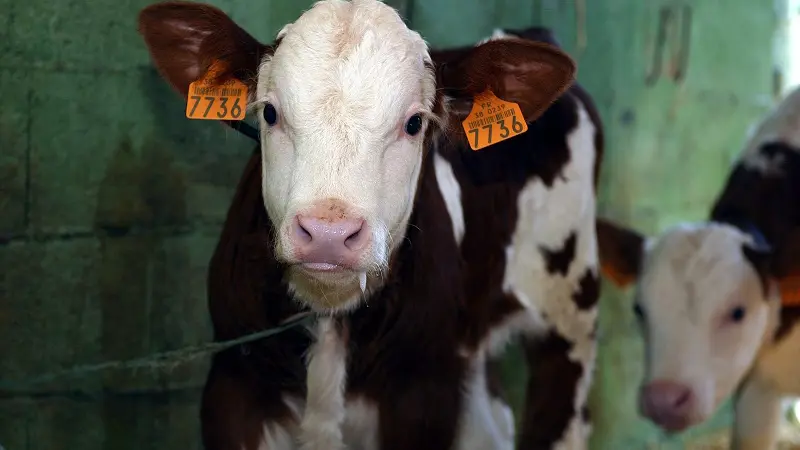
326,380
344,80
781,124
360,429
486,422
276,437
451,191
279,436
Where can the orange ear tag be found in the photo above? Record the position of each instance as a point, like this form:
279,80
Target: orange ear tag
493,120
210,101
790,291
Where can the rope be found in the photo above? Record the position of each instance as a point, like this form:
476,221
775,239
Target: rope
170,359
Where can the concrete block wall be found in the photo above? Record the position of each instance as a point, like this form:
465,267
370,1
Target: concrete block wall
110,206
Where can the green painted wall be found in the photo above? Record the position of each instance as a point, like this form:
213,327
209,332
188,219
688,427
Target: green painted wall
111,201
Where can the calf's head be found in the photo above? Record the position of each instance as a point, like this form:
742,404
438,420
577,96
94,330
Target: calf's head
706,299
348,99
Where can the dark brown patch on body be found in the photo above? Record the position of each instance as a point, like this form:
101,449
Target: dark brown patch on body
552,387
247,294
558,261
588,292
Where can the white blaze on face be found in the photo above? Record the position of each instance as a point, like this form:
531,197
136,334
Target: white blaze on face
705,313
344,82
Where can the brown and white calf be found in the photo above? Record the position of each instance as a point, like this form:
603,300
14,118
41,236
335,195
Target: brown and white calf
709,295
421,257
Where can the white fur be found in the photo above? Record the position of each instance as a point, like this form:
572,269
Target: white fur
345,78
781,124
485,423
360,428
276,437
497,34
283,437
776,374
451,191
325,406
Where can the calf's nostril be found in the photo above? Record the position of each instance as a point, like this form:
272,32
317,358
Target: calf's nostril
302,234
354,240
682,399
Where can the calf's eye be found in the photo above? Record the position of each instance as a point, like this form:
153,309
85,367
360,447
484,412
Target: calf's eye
737,314
270,114
414,125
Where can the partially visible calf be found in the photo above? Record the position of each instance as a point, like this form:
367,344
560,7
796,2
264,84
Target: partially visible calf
457,250
717,300
561,353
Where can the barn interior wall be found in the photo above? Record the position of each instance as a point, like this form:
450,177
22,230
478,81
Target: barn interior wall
111,201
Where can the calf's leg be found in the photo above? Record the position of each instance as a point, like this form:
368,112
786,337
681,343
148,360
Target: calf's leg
556,415
757,414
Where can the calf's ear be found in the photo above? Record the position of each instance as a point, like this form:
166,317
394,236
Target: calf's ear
185,38
621,252
531,74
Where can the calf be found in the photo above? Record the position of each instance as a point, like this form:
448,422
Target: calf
420,257
709,295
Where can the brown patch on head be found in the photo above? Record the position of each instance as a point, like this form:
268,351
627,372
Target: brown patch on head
558,261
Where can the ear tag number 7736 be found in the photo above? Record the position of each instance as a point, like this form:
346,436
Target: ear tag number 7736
211,101
492,120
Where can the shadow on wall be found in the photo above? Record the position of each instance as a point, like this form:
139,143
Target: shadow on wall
145,277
